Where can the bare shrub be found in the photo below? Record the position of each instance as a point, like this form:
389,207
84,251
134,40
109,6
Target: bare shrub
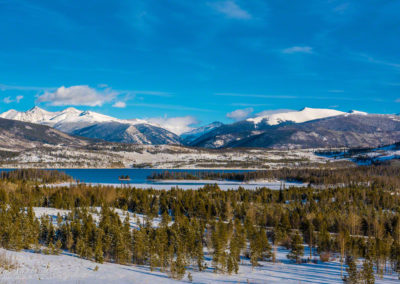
325,256
7,262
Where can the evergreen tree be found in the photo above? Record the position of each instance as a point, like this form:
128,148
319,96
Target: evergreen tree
352,273
296,248
368,272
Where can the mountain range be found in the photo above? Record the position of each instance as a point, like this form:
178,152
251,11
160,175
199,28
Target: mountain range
306,128
95,125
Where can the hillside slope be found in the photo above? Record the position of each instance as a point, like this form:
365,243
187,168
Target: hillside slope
18,135
351,130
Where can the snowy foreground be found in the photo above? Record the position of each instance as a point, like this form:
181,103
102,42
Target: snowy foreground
32,267
67,268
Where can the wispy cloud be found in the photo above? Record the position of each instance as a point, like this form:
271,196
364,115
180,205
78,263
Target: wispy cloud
231,10
240,114
340,9
367,58
152,93
5,87
9,100
119,104
336,91
171,107
249,105
300,97
298,49
256,96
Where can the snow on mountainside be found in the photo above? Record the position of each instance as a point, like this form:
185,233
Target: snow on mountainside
74,121
306,114
324,128
34,115
69,116
197,132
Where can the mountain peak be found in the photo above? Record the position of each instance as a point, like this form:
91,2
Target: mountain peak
37,109
303,115
357,112
72,110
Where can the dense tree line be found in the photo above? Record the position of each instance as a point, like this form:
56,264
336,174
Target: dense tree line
35,175
360,219
387,174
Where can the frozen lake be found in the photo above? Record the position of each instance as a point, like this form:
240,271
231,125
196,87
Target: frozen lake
139,178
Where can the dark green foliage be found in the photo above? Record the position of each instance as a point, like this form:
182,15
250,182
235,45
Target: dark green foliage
359,219
37,175
296,248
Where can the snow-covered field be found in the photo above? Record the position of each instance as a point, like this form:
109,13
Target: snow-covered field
68,268
32,267
134,219
367,156
163,156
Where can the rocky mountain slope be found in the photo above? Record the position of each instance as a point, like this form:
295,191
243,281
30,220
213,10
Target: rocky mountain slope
307,128
18,135
192,135
344,130
143,134
95,125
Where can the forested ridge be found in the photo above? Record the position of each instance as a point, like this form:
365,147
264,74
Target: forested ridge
359,219
386,174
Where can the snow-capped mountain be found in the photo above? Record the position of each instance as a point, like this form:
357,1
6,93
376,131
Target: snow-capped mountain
307,128
306,114
197,132
34,115
95,125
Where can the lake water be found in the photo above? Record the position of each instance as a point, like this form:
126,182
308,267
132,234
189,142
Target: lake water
139,179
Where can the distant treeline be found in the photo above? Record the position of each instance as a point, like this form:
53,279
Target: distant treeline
36,175
388,174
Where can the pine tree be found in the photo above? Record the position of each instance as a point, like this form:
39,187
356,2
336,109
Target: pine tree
296,248
98,250
98,253
352,274
368,272
58,246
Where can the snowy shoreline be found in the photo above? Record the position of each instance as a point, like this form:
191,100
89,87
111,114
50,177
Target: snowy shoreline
190,184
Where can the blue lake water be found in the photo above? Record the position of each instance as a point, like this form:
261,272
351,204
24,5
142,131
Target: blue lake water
139,178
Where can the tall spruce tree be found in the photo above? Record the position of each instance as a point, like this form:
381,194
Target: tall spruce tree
296,248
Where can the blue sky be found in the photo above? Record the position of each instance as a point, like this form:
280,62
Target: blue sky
203,59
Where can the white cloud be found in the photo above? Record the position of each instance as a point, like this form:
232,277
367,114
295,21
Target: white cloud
231,10
298,49
177,125
269,112
240,114
78,95
119,104
7,100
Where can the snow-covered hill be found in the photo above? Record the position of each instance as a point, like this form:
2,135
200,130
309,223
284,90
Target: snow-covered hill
306,114
74,121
